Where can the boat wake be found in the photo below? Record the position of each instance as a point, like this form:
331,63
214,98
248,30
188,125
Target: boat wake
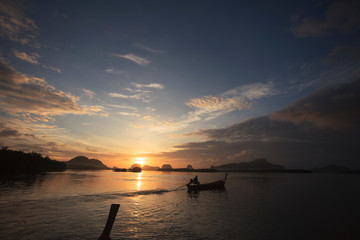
133,194
146,192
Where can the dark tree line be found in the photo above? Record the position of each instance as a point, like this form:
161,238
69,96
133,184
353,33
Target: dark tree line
12,161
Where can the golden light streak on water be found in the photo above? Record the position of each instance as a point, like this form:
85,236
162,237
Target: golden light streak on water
139,181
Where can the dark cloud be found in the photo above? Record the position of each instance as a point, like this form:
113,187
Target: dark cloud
337,108
9,133
341,54
15,25
341,16
320,129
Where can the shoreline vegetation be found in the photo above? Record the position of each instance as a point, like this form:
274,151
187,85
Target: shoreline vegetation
18,162
12,161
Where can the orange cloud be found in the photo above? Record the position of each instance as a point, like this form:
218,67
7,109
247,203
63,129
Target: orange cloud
211,103
30,58
23,94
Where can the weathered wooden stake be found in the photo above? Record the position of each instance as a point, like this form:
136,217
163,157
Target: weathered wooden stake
110,221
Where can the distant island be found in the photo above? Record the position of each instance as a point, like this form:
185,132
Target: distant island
150,168
257,165
18,162
84,163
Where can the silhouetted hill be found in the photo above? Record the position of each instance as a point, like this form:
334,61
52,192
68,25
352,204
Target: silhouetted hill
257,164
84,163
332,169
19,162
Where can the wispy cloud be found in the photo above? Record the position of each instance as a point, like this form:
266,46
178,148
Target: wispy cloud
33,58
151,85
128,114
210,107
120,95
131,57
114,71
238,98
340,17
139,93
149,49
218,103
16,26
123,107
30,58
88,93
56,69
126,110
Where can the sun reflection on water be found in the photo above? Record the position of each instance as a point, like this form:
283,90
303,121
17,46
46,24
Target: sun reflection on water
139,181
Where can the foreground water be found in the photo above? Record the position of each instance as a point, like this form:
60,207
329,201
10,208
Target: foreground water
75,205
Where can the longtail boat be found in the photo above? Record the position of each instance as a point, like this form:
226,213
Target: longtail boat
194,187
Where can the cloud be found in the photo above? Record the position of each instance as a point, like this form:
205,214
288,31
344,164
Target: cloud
210,107
136,59
124,107
149,49
343,54
9,129
33,59
58,70
88,93
211,103
253,91
341,16
9,133
129,114
20,93
120,95
238,98
139,93
151,85
30,58
16,26
337,108
114,71
318,130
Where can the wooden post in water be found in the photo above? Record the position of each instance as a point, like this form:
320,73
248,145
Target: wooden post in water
110,221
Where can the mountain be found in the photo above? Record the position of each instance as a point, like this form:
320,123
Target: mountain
257,164
84,163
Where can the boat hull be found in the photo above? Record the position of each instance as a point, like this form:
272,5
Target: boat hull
206,186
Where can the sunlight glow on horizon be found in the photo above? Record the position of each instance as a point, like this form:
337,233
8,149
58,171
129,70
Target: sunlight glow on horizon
140,160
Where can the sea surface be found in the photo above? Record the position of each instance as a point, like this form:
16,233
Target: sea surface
153,205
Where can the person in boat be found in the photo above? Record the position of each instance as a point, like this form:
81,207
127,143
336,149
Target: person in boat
196,181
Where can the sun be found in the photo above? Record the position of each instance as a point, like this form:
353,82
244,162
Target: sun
140,160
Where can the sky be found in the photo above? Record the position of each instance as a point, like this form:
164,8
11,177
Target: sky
182,82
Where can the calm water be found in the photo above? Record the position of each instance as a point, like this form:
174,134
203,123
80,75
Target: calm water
75,205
